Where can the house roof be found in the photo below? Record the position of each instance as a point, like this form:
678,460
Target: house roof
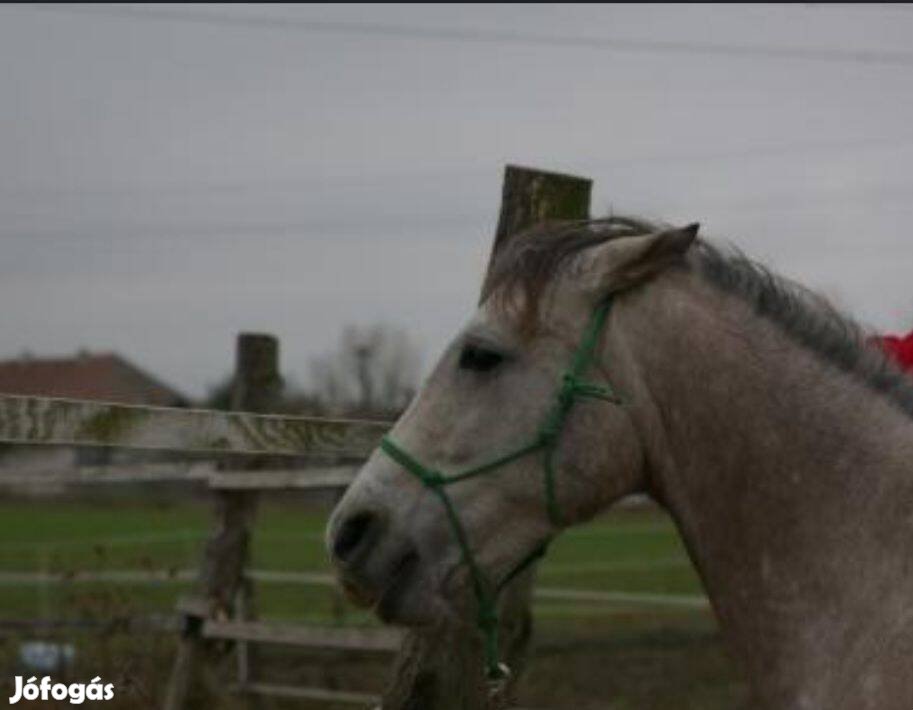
98,376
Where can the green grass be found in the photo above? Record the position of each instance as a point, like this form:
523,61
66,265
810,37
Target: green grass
630,552
656,657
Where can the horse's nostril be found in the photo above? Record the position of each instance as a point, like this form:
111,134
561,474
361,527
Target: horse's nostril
351,534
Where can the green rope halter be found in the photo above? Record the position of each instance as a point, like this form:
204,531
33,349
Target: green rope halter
572,388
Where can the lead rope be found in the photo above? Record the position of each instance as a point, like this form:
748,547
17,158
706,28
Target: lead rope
572,388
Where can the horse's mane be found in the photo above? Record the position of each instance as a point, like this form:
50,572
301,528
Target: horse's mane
527,265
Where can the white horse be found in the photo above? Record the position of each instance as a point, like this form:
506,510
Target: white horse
617,356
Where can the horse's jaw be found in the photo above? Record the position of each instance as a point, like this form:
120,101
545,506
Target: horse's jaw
411,597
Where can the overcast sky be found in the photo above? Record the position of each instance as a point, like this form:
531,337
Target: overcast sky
169,180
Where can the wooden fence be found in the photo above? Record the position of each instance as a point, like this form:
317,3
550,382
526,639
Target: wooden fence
209,438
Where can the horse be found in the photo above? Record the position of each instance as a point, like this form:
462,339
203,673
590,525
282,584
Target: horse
618,356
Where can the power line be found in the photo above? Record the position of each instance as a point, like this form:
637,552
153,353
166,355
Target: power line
486,36
869,7
897,195
343,182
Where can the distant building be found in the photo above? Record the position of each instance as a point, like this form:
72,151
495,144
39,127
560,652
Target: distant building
105,377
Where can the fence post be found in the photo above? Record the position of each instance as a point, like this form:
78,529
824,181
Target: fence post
530,197
224,591
441,669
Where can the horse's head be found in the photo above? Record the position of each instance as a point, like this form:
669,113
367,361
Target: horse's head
533,449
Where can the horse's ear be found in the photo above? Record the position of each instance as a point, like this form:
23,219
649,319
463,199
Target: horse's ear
621,263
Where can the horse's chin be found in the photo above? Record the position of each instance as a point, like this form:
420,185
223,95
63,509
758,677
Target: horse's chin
428,597
409,599
412,608
413,601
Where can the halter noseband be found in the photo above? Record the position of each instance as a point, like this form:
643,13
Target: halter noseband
546,441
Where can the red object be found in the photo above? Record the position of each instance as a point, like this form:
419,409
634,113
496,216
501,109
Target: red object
899,348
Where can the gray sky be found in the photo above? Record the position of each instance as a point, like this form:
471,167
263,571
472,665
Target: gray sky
166,183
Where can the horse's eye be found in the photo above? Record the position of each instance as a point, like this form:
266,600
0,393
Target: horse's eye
479,359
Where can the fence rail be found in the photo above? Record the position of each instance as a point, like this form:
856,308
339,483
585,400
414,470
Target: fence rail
311,477
694,602
67,422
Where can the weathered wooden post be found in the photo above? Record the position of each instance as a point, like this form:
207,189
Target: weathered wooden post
441,668
530,197
223,590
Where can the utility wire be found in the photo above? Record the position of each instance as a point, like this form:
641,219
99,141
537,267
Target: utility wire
282,185
503,37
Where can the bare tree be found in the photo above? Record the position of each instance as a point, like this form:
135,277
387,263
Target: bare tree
373,371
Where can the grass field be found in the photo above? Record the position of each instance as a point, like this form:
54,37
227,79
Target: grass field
588,655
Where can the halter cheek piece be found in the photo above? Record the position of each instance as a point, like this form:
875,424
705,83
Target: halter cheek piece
546,441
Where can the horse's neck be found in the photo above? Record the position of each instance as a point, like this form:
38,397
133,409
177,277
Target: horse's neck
792,484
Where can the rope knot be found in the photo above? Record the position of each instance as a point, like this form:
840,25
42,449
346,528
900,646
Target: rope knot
487,618
548,435
569,387
433,479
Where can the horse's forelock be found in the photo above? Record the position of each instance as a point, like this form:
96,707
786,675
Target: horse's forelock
522,270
